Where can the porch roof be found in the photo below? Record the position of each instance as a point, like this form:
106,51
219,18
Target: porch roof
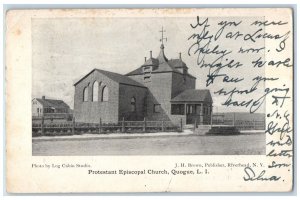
193,95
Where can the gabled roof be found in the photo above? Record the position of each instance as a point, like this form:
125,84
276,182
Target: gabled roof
115,77
53,103
193,95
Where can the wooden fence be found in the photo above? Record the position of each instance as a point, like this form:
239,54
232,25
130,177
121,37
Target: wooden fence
242,124
73,128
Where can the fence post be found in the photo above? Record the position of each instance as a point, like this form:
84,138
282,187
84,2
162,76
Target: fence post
144,125
180,124
100,125
162,126
211,120
195,124
42,126
73,125
123,126
233,119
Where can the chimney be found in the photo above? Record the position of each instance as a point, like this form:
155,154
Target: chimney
145,59
180,55
43,97
150,54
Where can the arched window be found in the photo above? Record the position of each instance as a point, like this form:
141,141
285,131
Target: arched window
104,94
95,91
132,104
85,94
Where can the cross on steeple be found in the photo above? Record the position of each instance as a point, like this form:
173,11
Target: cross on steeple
162,35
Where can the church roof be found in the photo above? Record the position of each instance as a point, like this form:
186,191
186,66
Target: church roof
193,95
115,77
120,78
53,103
162,64
151,61
177,63
161,56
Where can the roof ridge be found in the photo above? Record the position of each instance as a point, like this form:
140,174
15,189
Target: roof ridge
106,71
126,79
49,99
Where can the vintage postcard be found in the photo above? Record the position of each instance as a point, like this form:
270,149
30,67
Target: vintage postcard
149,100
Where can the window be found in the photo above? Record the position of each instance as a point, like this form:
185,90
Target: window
156,108
104,94
177,109
85,94
95,91
147,73
189,109
147,78
133,104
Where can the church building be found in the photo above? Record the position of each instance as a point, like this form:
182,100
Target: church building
160,89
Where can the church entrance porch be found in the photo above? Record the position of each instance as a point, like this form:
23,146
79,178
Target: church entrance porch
199,113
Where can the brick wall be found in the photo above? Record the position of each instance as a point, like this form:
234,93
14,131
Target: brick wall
159,92
181,83
92,111
162,88
126,93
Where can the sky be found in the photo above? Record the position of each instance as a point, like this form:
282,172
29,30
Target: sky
66,49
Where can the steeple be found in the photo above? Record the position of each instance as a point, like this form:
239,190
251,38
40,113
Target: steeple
161,57
161,63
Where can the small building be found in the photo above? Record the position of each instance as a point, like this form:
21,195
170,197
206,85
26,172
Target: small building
42,107
159,89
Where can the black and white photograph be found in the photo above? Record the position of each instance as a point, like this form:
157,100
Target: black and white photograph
150,100
149,86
